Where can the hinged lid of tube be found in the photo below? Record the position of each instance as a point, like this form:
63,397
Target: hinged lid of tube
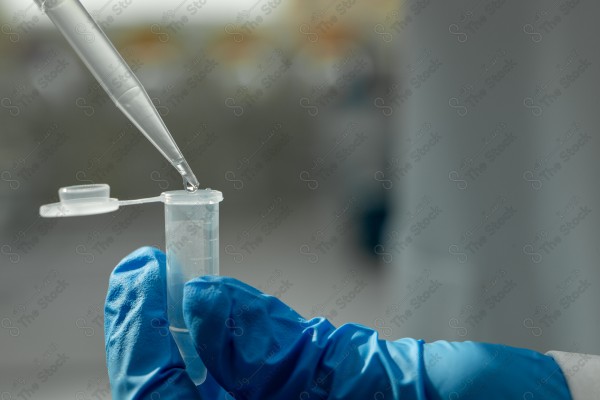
81,200
94,199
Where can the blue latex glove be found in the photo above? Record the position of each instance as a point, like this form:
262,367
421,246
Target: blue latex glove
256,347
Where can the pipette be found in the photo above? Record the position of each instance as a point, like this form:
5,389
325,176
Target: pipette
118,80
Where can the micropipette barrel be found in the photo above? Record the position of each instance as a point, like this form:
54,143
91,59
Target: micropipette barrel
114,75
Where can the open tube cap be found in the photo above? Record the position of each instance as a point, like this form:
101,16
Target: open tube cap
81,200
94,199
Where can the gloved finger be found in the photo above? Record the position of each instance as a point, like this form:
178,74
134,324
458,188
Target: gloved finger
258,348
142,358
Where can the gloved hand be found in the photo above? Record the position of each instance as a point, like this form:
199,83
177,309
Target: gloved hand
256,347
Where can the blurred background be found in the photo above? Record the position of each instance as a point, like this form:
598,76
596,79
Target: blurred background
423,168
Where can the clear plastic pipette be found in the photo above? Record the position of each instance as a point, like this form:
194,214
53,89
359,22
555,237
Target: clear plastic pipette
117,79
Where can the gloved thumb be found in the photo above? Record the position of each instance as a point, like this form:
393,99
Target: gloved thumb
239,331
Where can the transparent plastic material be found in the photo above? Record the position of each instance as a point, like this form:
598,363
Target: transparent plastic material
192,244
82,200
114,75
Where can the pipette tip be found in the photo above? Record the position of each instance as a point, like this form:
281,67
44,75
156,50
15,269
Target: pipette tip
190,182
190,187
